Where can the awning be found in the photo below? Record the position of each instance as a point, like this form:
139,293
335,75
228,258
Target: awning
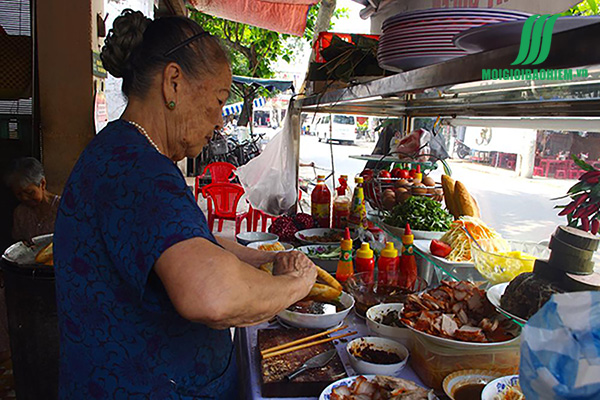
269,84
285,16
236,108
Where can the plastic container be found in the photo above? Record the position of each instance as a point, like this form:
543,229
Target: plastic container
432,362
407,270
387,265
358,210
345,269
341,204
321,203
365,262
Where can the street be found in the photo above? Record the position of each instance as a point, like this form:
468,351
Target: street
517,208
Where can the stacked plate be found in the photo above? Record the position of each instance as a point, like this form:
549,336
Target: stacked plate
424,37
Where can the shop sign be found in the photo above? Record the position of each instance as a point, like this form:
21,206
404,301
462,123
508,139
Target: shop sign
536,43
97,67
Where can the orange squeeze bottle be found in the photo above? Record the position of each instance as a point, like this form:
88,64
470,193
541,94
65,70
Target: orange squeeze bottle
345,269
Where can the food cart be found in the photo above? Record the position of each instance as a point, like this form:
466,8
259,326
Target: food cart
453,90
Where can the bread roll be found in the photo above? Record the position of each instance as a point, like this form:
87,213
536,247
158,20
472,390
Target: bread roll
448,186
324,293
464,201
45,255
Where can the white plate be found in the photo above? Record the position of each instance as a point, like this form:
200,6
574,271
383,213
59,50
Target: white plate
256,245
320,232
424,246
494,294
398,232
495,36
326,394
318,321
497,386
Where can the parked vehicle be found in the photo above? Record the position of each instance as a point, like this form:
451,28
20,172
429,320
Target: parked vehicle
343,128
462,150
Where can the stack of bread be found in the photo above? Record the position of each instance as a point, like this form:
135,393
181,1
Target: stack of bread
459,201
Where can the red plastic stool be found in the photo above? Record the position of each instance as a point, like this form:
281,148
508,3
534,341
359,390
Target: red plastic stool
538,171
561,174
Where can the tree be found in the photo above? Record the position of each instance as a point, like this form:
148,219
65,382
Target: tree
586,7
253,50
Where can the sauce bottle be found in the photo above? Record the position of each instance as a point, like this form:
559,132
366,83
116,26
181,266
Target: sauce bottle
387,266
408,264
365,263
358,212
344,268
321,203
341,204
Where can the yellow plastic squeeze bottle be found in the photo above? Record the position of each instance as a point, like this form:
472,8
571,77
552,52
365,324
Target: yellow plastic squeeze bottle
345,268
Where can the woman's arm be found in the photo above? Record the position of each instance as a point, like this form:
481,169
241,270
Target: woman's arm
210,285
246,254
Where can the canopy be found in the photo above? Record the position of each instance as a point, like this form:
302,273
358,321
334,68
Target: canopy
269,84
284,16
236,108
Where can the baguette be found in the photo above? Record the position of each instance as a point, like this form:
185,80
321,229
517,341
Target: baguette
45,255
465,201
448,187
323,293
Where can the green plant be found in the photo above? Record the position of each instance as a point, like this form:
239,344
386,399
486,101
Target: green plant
422,213
586,7
583,211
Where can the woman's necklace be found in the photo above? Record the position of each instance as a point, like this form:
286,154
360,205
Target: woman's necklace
143,132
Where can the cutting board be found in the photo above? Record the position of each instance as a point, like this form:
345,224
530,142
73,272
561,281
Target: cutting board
274,370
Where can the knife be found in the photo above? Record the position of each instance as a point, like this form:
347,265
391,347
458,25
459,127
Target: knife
317,361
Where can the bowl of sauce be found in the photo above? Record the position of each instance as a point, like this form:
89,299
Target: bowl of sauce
468,384
375,355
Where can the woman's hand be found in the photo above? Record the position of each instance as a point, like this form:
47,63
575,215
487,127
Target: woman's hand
296,264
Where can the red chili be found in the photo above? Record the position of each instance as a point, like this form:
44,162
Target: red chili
589,174
589,210
580,199
568,209
595,226
585,224
580,211
593,180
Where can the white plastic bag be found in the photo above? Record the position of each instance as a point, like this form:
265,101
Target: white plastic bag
270,179
560,349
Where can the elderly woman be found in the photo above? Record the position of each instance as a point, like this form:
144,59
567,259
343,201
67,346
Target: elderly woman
145,292
37,212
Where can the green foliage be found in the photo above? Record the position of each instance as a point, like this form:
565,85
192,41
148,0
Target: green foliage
586,7
253,51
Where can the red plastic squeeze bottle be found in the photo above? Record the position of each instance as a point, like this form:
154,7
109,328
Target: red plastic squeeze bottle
365,262
321,203
408,264
387,266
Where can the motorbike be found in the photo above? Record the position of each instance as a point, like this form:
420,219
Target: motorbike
462,150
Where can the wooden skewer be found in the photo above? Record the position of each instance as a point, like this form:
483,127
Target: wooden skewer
304,346
303,340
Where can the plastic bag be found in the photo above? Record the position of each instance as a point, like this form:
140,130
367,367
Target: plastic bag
270,180
560,349
414,144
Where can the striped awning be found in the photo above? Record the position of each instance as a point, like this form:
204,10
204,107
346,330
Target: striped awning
236,108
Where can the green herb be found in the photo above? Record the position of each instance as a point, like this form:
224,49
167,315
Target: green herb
422,213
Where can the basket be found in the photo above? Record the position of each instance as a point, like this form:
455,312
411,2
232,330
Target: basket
375,192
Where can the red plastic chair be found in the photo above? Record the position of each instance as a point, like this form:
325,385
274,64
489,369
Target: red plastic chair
220,172
225,197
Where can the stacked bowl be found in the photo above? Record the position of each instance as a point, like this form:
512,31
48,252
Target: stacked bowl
419,38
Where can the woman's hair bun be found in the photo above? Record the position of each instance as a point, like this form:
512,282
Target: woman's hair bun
126,34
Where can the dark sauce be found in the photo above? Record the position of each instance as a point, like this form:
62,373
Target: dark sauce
376,356
315,307
469,392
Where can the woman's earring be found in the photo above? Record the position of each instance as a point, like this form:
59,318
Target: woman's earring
171,105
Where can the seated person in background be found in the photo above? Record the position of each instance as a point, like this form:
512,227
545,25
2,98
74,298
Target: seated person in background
37,212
